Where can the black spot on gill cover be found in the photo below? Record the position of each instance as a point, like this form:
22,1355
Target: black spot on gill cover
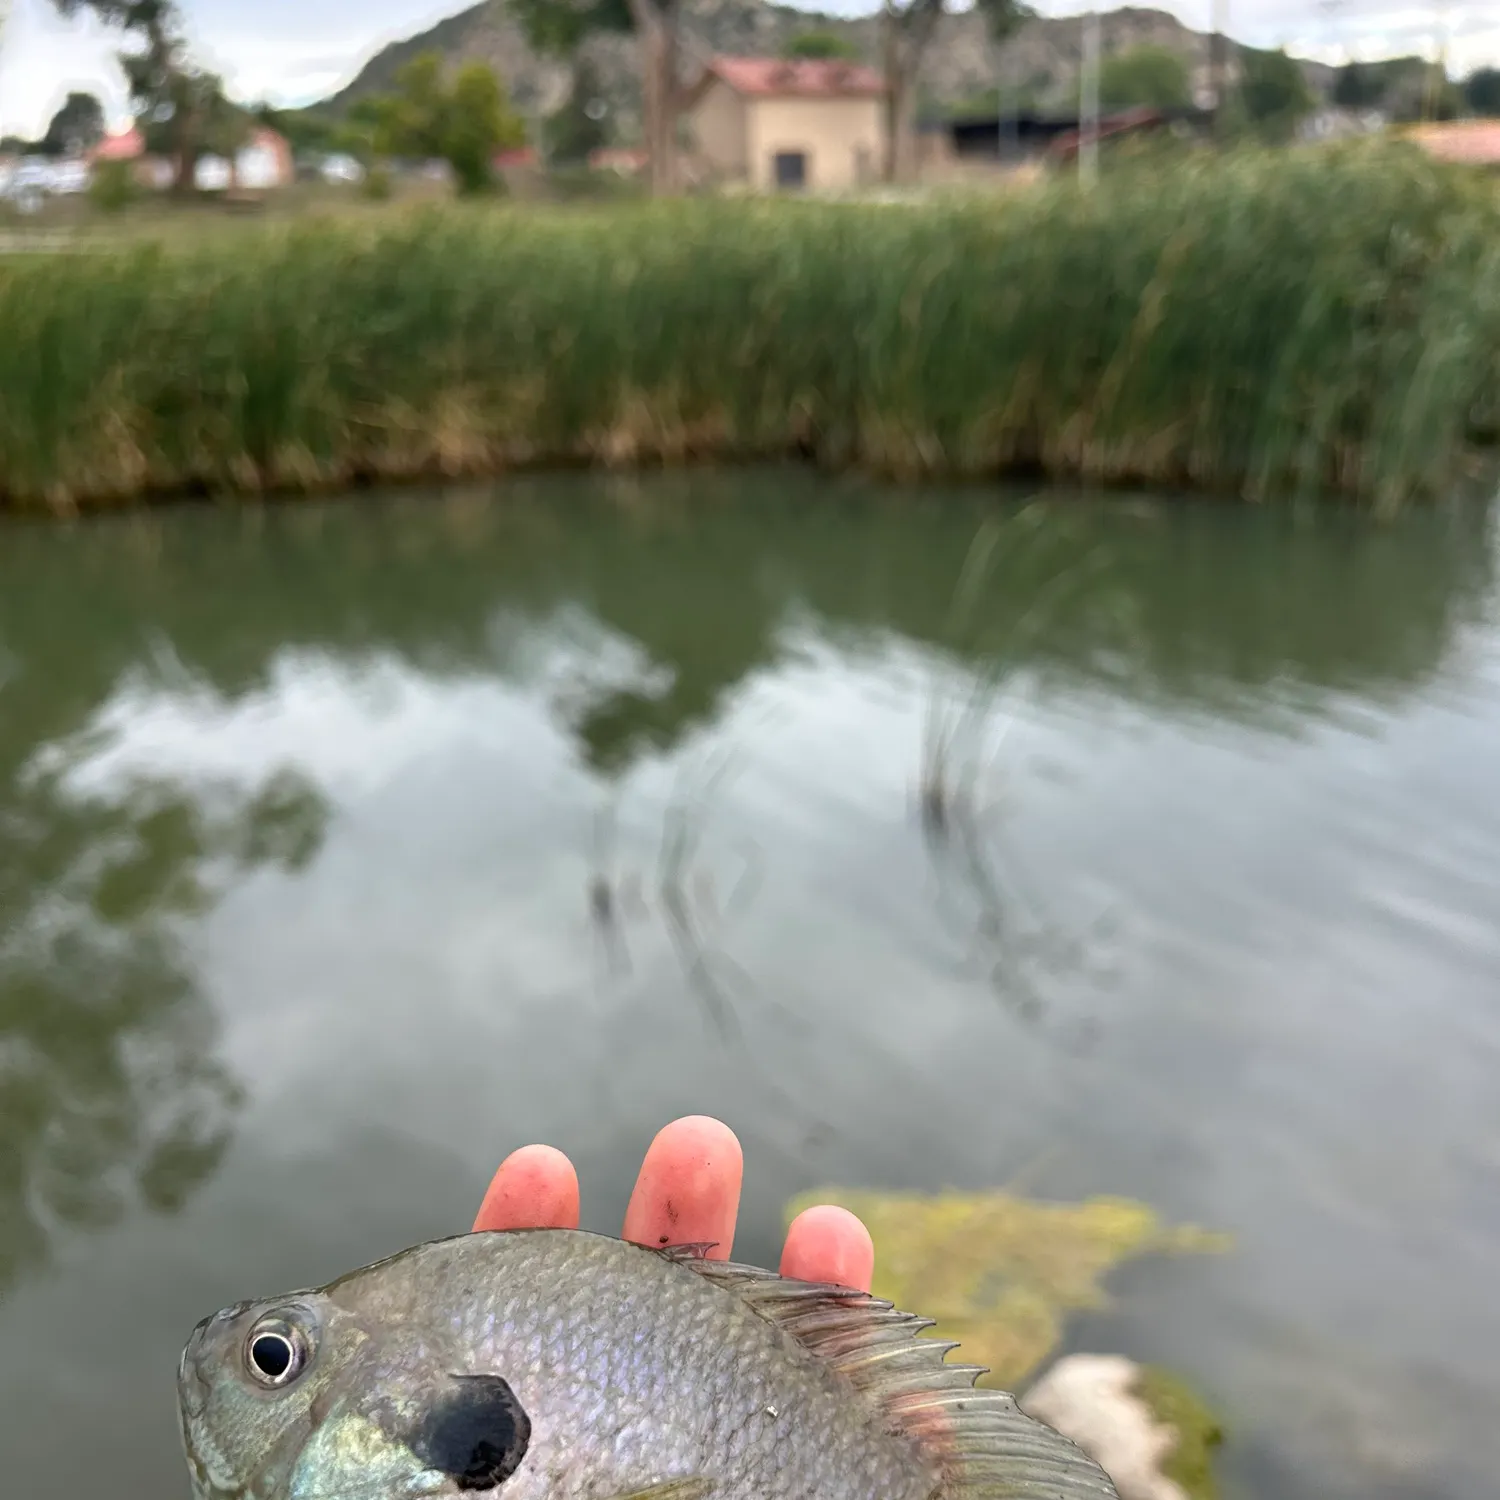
477,1431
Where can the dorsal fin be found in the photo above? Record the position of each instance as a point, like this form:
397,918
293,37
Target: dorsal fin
985,1446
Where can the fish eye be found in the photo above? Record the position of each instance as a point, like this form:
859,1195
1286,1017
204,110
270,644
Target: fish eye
276,1352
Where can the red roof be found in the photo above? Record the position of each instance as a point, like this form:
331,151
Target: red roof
803,78
514,156
125,146
1470,141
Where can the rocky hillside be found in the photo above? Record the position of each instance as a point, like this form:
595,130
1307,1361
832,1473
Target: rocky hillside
1038,64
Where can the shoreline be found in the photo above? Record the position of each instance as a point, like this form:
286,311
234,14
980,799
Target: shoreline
1251,327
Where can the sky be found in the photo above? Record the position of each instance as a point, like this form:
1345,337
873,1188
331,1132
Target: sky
294,51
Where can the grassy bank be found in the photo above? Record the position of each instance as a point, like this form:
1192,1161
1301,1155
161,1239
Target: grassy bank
1261,325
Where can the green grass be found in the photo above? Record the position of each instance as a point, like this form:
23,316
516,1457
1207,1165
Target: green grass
1265,324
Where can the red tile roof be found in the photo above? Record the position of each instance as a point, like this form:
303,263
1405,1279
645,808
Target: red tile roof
803,78
1471,141
125,146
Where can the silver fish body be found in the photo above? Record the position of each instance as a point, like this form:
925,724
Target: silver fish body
558,1365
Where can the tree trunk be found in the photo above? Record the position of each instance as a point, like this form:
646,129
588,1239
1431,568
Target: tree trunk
899,110
656,26
907,32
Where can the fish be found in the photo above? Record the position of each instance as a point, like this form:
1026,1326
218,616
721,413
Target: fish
555,1364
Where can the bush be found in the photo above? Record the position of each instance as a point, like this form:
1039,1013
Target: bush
112,186
376,184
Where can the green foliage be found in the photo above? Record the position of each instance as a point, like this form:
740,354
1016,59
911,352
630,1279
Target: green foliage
1260,323
479,124
1154,76
1174,1403
1274,92
463,123
557,28
819,44
76,127
376,184
306,130
112,186
1482,91
1360,86
572,133
1004,17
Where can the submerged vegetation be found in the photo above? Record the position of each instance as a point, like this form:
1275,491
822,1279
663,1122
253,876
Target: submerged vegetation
1173,1402
998,1272
1319,322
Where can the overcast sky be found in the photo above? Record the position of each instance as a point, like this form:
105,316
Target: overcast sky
293,51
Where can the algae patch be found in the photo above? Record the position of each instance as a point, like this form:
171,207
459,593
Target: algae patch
1198,1431
999,1273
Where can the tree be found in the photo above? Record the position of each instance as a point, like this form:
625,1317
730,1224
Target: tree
304,129
820,44
1154,76
1359,86
1274,92
182,107
463,123
559,27
479,123
1482,91
578,129
907,30
76,127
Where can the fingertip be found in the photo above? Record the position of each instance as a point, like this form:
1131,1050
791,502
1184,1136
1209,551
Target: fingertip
829,1244
533,1188
688,1190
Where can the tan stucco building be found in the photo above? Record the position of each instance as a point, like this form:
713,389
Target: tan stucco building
787,125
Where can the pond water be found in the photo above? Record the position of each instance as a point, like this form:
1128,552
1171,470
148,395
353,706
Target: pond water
305,812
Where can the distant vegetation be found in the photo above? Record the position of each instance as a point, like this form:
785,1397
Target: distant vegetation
1154,76
463,121
1261,323
821,44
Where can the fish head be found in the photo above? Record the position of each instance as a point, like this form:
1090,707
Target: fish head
298,1399
248,1384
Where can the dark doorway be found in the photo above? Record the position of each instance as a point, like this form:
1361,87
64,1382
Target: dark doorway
791,169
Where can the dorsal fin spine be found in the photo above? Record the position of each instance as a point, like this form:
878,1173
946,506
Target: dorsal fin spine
983,1445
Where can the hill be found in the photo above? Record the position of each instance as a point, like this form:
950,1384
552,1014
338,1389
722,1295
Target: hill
1039,64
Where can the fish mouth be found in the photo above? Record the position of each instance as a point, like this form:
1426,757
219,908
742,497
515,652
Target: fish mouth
193,1386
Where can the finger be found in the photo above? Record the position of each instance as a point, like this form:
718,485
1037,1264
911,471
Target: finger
688,1191
829,1244
534,1188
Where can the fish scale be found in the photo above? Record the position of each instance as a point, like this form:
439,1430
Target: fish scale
557,1365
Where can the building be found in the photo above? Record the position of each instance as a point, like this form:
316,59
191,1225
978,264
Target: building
1474,143
787,125
123,145
264,161
976,142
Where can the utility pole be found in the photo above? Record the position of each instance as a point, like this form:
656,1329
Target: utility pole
1218,43
1437,74
1088,103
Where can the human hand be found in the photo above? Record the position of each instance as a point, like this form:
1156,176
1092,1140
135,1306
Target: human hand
687,1193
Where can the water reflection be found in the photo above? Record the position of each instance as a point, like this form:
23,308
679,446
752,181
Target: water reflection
610,805
111,1095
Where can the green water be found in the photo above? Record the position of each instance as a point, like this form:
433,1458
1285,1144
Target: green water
300,811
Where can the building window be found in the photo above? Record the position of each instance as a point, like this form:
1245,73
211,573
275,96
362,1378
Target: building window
791,169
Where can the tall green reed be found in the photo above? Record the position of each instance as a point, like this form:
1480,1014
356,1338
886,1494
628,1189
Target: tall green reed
1263,324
